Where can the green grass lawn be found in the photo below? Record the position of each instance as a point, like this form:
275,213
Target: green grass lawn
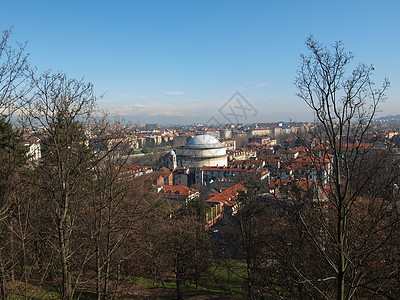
222,278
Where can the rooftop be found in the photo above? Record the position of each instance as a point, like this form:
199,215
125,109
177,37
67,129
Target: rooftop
204,141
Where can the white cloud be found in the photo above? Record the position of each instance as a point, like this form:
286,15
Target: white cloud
178,109
168,114
174,93
203,108
127,110
137,105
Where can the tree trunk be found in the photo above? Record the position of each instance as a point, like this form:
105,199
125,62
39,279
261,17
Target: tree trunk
98,271
12,251
249,284
23,237
108,253
341,257
98,261
66,279
178,288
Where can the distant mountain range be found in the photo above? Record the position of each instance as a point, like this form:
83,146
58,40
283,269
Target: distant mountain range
390,118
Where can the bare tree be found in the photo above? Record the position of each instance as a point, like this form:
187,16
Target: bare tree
14,81
248,237
188,250
114,212
178,245
14,85
61,108
347,228
12,158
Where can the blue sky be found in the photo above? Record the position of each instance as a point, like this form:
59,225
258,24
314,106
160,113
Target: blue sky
180,61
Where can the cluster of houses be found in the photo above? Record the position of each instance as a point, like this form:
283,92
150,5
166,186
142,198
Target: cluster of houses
210,164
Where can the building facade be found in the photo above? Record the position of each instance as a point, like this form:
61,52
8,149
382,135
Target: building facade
202,150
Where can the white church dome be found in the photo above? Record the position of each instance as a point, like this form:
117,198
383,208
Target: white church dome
204,141
202,150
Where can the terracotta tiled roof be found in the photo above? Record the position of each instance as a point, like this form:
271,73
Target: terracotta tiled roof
31,139
228,197
177,190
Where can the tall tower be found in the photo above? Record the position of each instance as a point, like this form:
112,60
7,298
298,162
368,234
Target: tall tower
170,160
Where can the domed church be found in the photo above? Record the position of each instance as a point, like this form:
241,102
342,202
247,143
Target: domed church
202,150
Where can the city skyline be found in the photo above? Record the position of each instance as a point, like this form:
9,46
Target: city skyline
181,62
